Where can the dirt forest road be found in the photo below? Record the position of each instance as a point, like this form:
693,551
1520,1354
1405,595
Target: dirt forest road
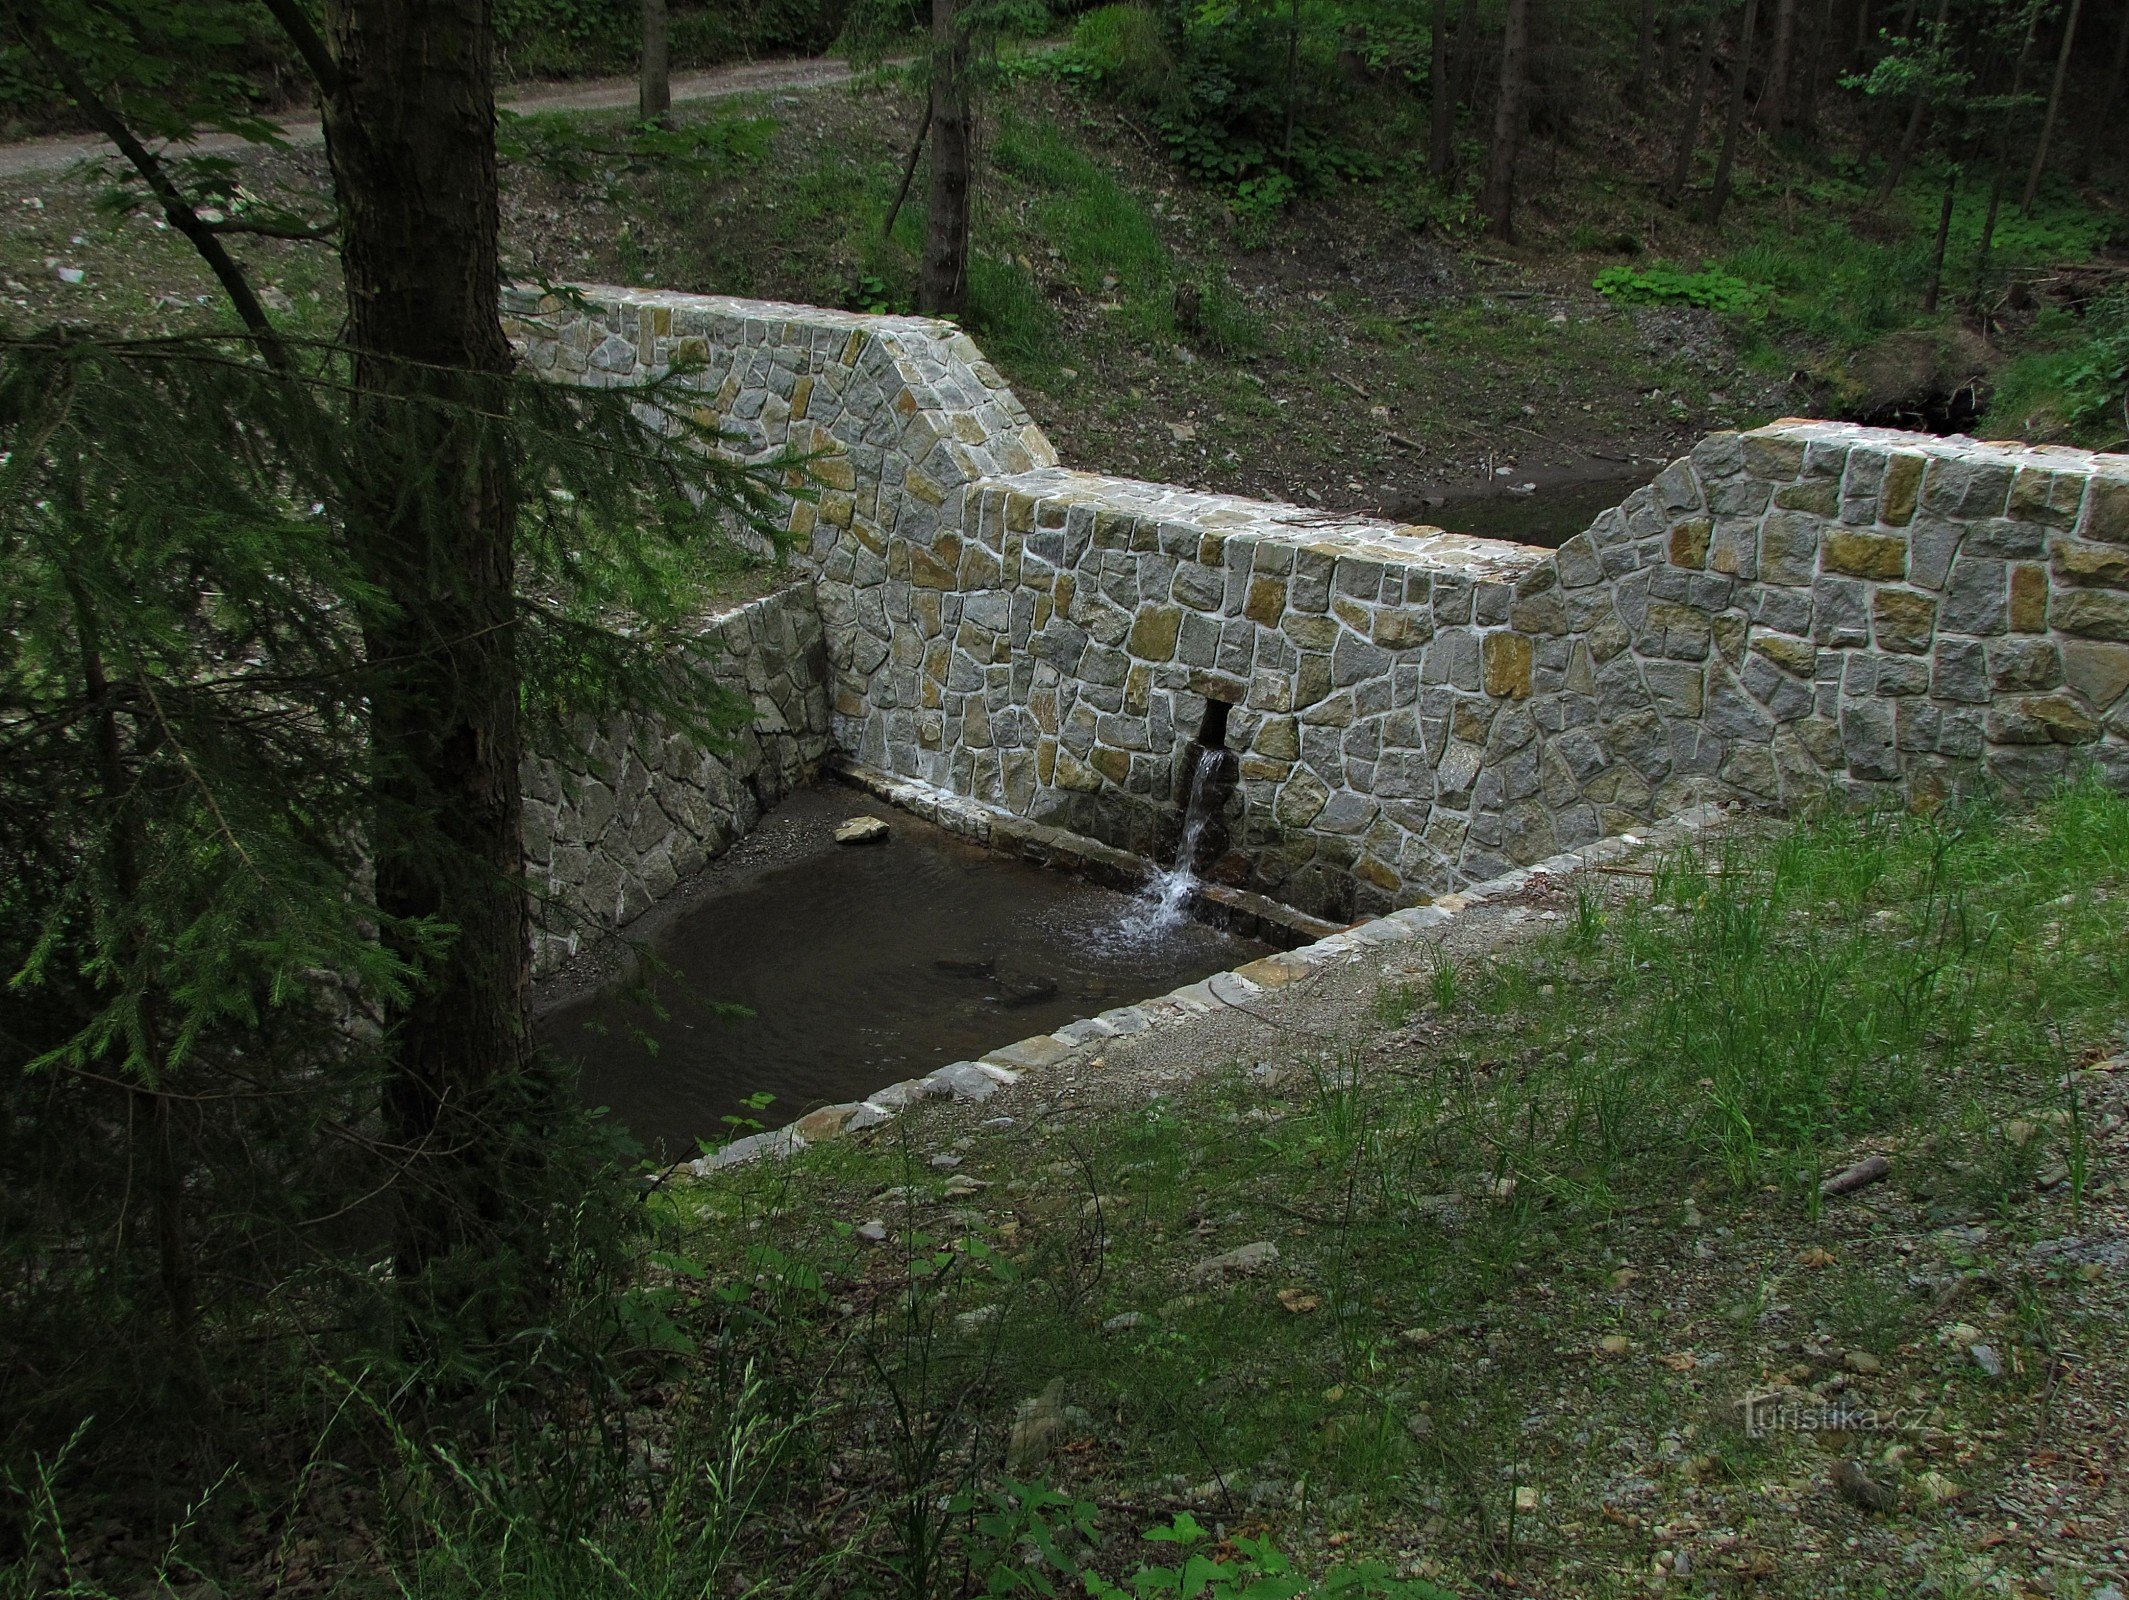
589,94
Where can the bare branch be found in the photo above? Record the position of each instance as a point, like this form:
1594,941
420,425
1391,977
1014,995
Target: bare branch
317,56
175,206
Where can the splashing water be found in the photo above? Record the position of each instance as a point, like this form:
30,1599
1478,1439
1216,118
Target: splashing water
1169,891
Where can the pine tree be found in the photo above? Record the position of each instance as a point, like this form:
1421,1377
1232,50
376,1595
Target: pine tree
277,619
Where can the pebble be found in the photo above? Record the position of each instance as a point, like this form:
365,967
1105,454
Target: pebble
1254,1257
946,1163
1987,1360
874,1230
862,830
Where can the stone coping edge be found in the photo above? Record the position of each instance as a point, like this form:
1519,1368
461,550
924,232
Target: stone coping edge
976,1081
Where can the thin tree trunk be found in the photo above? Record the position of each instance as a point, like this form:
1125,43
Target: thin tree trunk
909,171
1944,233
410,133
1469,60
2003,158
2110,98
1807,112
2047,121
1695,108
1293,84
942,277
1441,98
1734,123
1673,39
148,1111
1774,94
654,84
1644,51
1911,136
1498,201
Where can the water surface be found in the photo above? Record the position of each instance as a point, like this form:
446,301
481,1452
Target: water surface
861,965
1550,515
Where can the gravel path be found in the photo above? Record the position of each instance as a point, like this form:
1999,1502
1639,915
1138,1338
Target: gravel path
589,94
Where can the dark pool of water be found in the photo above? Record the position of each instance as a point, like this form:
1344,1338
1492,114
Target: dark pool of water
1549,515
862,965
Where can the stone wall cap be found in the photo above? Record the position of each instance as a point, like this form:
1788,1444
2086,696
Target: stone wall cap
1231,516
1948,447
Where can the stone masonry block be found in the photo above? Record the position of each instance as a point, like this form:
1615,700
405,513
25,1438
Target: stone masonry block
2107,511
1900,489
1507,661
2092,614
1903,620
1864,555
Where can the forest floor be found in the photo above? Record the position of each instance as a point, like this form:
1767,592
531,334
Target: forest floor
1494,1264
1347,352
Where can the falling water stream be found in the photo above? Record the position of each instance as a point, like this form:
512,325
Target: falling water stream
1169,892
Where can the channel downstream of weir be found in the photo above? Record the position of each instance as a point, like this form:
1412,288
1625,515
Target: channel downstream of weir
858,966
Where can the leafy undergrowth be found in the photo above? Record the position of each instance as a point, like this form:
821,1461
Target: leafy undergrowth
1472,1298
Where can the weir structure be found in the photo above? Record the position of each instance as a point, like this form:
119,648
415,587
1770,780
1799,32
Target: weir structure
999,640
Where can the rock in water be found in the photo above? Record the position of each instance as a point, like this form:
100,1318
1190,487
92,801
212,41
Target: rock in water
861,830
968,969
1017,989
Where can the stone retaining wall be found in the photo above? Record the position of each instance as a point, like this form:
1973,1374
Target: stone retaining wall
609,835
1807,606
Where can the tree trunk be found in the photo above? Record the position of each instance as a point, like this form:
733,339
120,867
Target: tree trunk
2110,98
1807,111
1293,84
1944,233
1644,51
1673,38
2047,121
1695,106
942,277
1734,125
1469,62
1441,98
1774,94
654,84
409,121
1498,202
148,1112
1911,136
2003,160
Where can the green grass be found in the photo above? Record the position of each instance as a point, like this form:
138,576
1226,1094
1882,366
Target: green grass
1765,1008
